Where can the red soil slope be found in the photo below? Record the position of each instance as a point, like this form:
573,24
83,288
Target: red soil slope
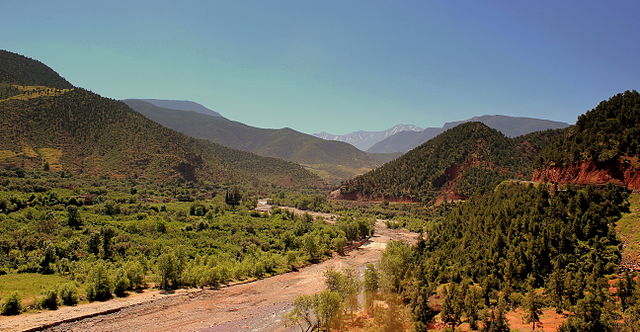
624,171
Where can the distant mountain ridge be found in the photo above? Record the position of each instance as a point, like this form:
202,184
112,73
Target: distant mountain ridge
508,125
364,140
332,159
182,105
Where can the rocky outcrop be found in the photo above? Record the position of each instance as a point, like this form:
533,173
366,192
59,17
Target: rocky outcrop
624,172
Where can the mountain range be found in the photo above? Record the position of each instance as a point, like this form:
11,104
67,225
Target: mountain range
510,126
332,160
48,124
463,161
364,140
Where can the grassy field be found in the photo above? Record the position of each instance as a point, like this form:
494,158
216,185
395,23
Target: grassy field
629,230
29,285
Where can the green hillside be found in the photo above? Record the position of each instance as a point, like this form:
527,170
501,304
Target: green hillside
332,159
463,161
78,132
609,131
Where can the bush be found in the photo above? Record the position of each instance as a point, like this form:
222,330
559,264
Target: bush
12,305
135,274
99,285
69,295
50,300
121,284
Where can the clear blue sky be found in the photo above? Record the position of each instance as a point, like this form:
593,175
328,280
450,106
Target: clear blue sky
340,65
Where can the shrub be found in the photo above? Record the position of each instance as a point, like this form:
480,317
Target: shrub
12,305
99,285
135,274
50,300
121,284
69,295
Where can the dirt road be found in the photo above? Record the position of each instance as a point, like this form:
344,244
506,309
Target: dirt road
256,306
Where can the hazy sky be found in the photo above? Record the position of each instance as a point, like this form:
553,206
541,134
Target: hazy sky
340,65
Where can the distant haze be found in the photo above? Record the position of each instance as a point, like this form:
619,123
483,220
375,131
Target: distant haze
363,140
182,105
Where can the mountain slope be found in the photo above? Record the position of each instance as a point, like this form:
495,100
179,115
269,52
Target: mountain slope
463,161
363,140
603,146
323,156
21,70
508,125
79,132
182,105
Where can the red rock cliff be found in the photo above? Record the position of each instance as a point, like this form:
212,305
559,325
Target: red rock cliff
622,172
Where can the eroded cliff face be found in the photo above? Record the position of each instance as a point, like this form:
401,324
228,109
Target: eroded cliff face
624,171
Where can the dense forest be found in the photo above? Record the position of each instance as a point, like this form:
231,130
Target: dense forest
609,131
494,251
463,161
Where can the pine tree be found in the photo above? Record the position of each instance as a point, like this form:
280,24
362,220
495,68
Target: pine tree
533,308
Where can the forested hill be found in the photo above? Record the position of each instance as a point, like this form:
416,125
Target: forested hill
602,147
463,161
339,159
76,131
18,69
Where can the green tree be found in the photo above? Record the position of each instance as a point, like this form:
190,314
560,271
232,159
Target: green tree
626,287
121,284
48,258
394,265
496,321
49,300
371,279
69,295
452,308
233,197
302,313
74,219
329,305
99,283
533,308
169,270
107,234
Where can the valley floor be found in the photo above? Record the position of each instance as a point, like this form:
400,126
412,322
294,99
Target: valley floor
255,306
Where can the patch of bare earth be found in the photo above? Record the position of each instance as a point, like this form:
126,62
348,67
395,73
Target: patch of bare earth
255,306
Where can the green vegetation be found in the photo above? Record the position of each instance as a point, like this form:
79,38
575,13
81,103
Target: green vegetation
629,232
12,305
464,161
324,311
105,238
609,131
496,251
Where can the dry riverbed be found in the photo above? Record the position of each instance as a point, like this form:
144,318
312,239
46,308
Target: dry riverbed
254,306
